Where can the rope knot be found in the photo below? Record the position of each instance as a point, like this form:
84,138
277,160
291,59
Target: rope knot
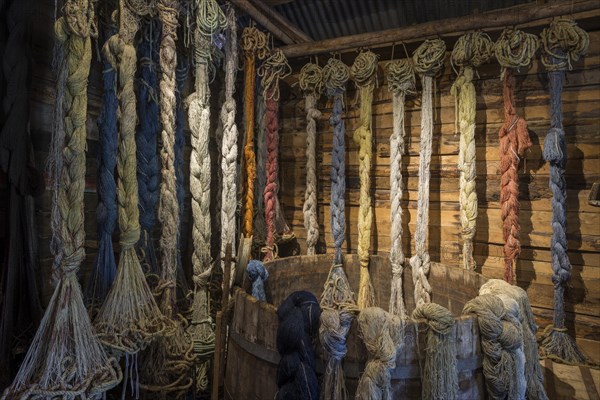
562,42
364,69
272,70
428,58
311,79
335,76
401,77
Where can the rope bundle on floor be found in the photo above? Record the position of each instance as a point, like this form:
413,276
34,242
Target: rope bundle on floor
383,335
439,375
562,42
311,84
401,82
298,322
513,49
258,274
364,74
65,358
428,61
470,51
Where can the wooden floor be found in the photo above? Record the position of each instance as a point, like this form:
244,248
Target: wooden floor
571,382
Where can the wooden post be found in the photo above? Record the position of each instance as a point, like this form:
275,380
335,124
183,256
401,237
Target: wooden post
221,327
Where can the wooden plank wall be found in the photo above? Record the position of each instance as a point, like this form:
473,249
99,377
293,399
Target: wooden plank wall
582,124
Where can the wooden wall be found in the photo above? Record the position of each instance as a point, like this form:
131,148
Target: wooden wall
582,124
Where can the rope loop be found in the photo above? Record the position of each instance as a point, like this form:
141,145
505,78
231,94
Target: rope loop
428,58
401,77
515,48
562,42
273,69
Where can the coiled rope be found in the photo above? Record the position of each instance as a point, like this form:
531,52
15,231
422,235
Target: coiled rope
562,42
513,49
65,359
428,61
470,51
311,84
364,74
439,375
274,68
401,82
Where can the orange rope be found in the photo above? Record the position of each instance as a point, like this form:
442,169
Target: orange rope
250,159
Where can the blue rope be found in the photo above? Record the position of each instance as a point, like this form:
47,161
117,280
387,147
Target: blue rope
146,139
105,267
258,274
338,177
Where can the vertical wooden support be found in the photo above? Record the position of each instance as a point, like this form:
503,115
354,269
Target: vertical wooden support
221,328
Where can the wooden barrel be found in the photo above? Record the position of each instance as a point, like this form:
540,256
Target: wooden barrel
252,353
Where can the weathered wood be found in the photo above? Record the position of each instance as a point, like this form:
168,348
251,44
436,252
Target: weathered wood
222,322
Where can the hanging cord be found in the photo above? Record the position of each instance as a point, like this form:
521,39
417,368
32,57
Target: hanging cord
428,61
513,49
311,84
129,319
470,51
364,74
274,68
259,232
562,41
65,359
401,82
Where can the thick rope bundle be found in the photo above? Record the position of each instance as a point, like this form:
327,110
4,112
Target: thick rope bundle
259,231
258,274
533,369
383,335
470,51
229,147
401,82
146,140
513,49
562,42
311,84
272,70
129,318
65,359
364,74
298,324
428,61
439,375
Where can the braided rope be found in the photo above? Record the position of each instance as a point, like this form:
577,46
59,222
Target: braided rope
311,83
364,74
401,82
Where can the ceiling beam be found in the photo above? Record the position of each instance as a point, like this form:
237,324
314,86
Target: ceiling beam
452,26
279,26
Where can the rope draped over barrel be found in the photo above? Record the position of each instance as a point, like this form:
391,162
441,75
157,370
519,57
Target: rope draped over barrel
401,82
428,61
470,51
383,335
258,274
562,42
274,68
513,49
439,375
364,74
311,84
65,358
129,318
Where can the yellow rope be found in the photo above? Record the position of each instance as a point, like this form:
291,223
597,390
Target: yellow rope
562,42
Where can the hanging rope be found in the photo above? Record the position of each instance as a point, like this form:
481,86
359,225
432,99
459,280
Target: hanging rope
274,68
513,49
259,231
439,376
146,140
401,82
311,84
470,51
428,61
562,42
229,148
65,359
129,319
258,274
364,74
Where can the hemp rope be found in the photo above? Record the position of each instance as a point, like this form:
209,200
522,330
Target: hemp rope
470,51
229,147
562,42
274,68
65,358
439,375
513,49
383,335
428,61
401,82
533,369
311,84
259,232
364,74
129,319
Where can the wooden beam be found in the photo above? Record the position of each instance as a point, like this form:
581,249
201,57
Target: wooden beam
452,26
274,22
